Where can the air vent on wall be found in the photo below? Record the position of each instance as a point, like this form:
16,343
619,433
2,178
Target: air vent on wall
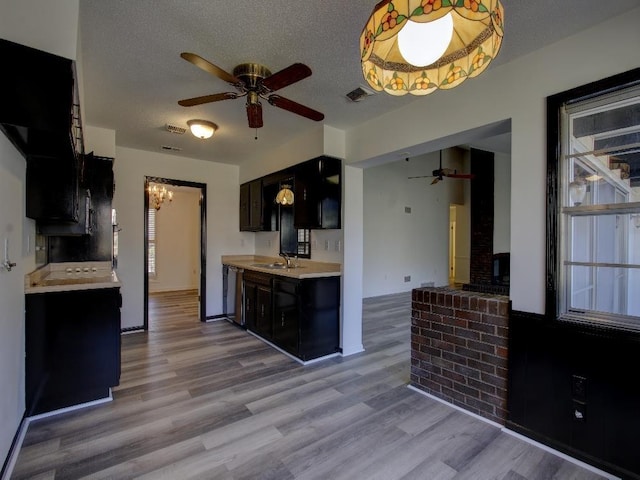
175,129
169,147
359,93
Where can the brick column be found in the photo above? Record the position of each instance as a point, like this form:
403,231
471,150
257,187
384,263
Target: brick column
459,349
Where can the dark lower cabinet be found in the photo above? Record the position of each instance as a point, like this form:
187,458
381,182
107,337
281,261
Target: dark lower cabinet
257,303
302,317
263,311
572,387
285,315
72,344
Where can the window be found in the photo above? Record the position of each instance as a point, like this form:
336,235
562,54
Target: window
597,208
151,216
293,241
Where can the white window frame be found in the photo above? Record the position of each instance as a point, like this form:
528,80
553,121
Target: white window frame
572,151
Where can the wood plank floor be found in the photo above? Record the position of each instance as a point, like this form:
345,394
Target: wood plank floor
210,401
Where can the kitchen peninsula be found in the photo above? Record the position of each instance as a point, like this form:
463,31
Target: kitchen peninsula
72,335
295,309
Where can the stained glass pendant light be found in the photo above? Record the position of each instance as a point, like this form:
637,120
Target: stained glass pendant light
285,195
419,46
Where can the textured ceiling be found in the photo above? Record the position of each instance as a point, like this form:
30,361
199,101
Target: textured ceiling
134,76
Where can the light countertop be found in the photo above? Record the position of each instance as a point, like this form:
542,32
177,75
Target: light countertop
69,276
306,268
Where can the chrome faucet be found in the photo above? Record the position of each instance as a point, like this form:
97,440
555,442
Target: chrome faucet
287,259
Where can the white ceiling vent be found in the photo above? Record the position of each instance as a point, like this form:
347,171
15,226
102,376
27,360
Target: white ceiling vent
175,129
359,93
169,147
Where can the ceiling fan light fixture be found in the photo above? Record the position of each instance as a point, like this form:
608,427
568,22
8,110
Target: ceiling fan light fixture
202,129
395,57
254,81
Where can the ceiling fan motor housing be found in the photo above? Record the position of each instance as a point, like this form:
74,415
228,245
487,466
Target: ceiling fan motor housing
251,74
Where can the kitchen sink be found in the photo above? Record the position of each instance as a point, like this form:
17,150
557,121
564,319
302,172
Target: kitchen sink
275,266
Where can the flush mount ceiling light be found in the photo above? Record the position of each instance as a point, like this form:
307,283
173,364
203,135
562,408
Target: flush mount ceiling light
202,128
419,46
285,196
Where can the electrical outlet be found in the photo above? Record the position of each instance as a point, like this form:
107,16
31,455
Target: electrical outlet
407,209
269,242
579,388
337,245
326,245
579,411
407,278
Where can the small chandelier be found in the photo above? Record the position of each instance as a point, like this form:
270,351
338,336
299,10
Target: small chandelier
202,128
419,46
285,196
157,195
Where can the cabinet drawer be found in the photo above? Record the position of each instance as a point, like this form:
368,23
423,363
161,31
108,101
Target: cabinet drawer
257,277
285,286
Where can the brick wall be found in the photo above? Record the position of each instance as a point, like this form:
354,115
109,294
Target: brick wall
459,348
482,217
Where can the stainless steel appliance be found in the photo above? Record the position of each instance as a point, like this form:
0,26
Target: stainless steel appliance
232,294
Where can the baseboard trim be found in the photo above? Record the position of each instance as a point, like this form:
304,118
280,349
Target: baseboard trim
564,456
72,408
16,445
293,357
124,331
474,415
504,429
14,450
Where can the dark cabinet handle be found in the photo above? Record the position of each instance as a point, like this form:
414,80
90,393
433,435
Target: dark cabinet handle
262,310
282,319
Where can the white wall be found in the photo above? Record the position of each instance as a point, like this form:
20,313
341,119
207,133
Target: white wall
515,91
48,26
178,242
20,234
223,235
502,203
399,244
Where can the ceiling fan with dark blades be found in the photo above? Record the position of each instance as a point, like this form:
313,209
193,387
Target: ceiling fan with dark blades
439,174
254,81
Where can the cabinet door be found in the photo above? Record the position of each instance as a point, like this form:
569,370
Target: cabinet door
245,221
285,321
306,207
72,354
52,189
255,210
318,190
330,193
263,312
250,306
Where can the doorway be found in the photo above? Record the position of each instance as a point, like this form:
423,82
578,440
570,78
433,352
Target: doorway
202,240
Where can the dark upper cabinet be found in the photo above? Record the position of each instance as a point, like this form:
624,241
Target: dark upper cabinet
37,100
318,193
251,206
317,186
245,201
258,211
52,189
91,239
